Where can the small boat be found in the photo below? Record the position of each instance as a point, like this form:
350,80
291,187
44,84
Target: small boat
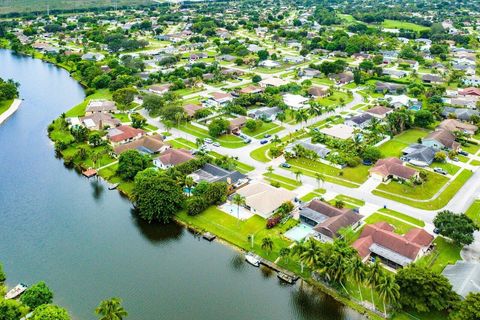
285,277
16,292
209,236
253,259
113,186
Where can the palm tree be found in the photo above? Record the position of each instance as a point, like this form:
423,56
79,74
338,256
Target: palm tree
199,142
388,290
281,117
189,184
298,175
111,309
374,274
320,179
301,116
308,252
358,272
284,253
270,169
239,200
179,116
267,244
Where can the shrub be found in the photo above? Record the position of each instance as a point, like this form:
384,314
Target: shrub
273,221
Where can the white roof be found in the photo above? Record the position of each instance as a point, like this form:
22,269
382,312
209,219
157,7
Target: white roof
294,101
275,82
401,99
89,123
340,131
269,63
264,198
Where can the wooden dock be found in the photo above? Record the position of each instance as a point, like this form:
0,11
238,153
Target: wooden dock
209,236
89,173
283,274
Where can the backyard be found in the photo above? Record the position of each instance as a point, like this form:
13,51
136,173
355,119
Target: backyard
394,147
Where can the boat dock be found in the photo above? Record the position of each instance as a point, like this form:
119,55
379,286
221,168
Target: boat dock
282,274
89,173
209,236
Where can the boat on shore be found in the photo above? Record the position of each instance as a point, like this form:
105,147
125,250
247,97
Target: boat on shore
253,259
112,186
286,278
16,291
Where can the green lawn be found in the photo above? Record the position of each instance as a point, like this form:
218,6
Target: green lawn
79,109
445,253
260,153
267,127
403,216
350,200
395,24
394,147
240,166
227,141
284,182
181,143
474,212
335,99
448,167
123,117
314,194
423,192
4,105
440,201
471,148
236,232
400,226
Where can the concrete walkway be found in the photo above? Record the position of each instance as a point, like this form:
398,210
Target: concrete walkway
10,111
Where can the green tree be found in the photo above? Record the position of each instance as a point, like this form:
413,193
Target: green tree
157,198
468,308
458,227
50,312
285,253
153,104
95,139
124,96
267,244
424,118
374,275
238,200
218,126
3,277
111,309
357,270
256,78
423,290
130,163
37,295
10,310
298,175
388,290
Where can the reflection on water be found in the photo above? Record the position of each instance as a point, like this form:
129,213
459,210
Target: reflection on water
156,232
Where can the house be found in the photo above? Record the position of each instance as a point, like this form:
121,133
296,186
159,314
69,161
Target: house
472,81
264,199
453,125
272,82
172,157
237,124
464,114
392,168
146,144
309,73
221,98
123,134
293,59
383,87
227,57
99,120
269,64
342,78
190,109
160,89
411,63
93,56
379,241
400,100
318,92
250,90
294,101
471,91
431,78
419,155
464,277
264,113
397,74
212,173
441,139
319,149
359,121
379,111
254,48
327,220
340,131
468,102
104,106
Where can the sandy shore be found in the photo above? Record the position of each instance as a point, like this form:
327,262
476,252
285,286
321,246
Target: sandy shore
14,106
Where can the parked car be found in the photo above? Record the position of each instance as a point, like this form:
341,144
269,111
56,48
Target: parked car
463,153
264,141
216,144
247,140
455,159
208,140
440,170
285,165
267,135
436,231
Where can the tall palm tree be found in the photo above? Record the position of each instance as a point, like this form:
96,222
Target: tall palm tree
298,175
284,253
199,142
301,116
374,274
111,309
239,200
358,272
388,290
267,244
281,117
309,253
320,179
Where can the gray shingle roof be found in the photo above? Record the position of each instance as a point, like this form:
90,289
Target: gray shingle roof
464,277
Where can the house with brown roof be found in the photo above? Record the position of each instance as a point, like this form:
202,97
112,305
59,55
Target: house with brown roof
250,90
98,105
124,134
392,168
160,89
342,78
379,112
441,139
99,120
327,220
172,157
190,109
432,78
378,241
453,125
318,92
146,144
221,98
237,124
471,91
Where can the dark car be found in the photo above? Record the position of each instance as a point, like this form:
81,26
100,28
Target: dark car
267,135
285,165
263,141
463,153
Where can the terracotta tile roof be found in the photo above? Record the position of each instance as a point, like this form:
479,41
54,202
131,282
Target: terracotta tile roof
190,109
393,167
317,91
152,143
175,157
419,236
470,91
124,132
454,125
250,89
379,110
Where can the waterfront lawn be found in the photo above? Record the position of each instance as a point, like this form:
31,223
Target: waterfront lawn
284,182
421,192
402,216
79,109
400,226
445,253
110,174
438,202
4,105
474,212
237,232
394,147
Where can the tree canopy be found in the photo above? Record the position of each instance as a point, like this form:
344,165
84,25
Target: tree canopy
457,227
37,295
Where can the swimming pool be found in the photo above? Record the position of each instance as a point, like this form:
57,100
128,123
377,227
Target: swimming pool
299,232
415,108
231,209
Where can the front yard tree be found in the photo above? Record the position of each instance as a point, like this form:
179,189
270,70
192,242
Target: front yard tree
95,139
457,227
217,127
424,290
157,198
371,154
424,118
130,163
256,78
468,308
37,295
124,96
